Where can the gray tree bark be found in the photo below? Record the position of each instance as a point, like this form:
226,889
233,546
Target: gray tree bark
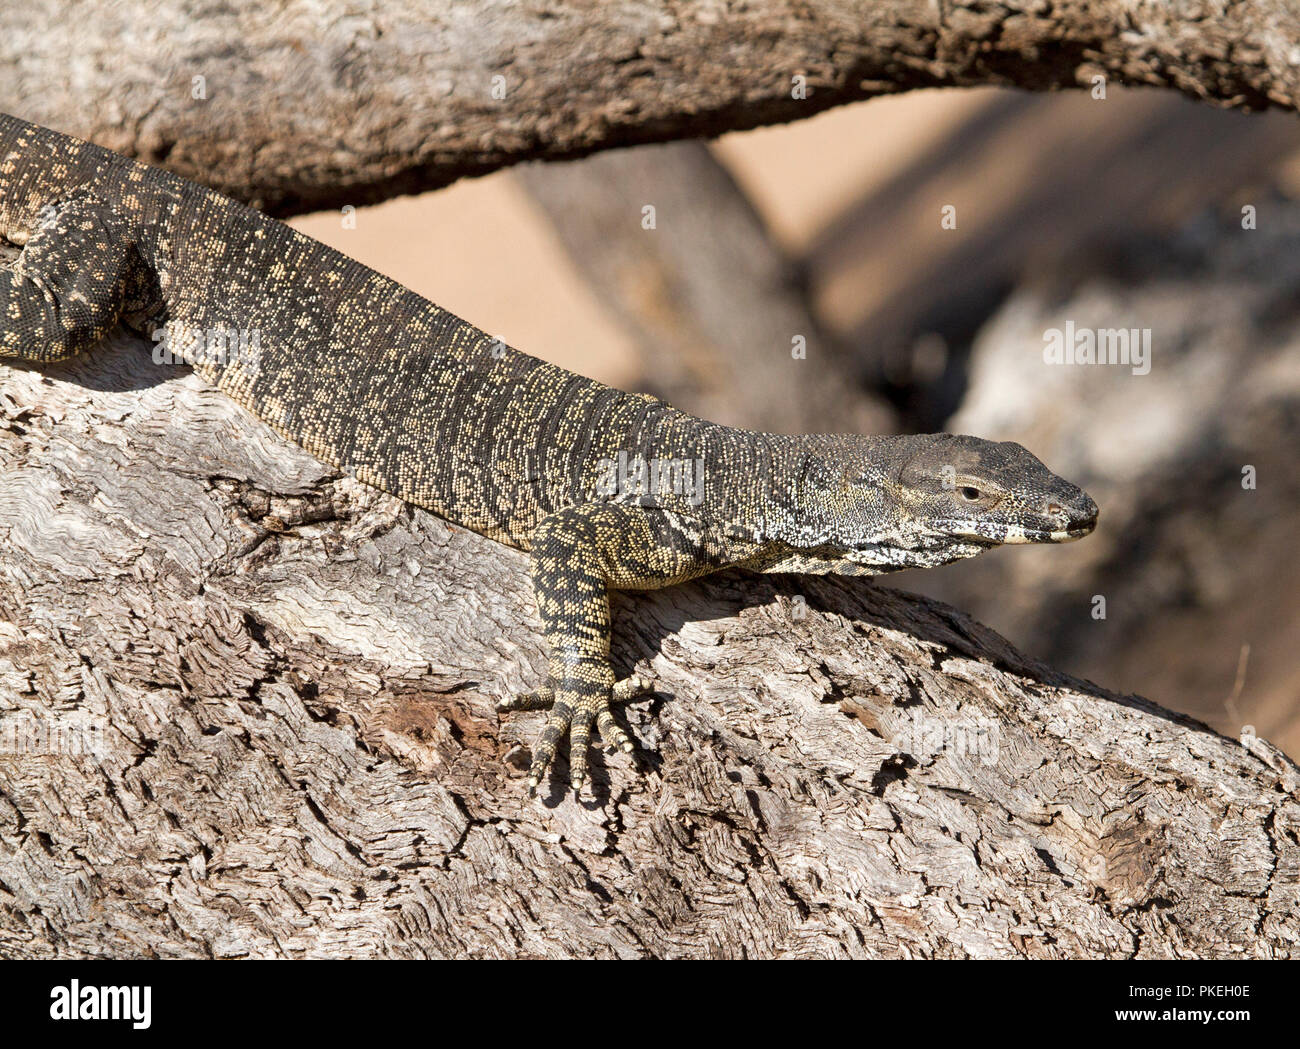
304,107
247,710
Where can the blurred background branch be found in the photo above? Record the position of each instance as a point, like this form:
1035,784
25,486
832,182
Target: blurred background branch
715,308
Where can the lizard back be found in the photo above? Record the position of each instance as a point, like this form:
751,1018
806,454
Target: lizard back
359,370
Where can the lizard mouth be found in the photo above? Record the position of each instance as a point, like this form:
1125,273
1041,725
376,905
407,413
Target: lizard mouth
1021,534
1071,534
1014,535
1077,527
1034,535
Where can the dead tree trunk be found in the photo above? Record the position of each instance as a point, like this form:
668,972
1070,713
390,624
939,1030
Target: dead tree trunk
247,710
299,107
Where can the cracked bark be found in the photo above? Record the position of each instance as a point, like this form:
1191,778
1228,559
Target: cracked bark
290,679
314,106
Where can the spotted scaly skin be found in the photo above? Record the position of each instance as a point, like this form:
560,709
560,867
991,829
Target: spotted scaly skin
607,490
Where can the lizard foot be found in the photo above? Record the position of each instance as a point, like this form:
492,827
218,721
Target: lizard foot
574,713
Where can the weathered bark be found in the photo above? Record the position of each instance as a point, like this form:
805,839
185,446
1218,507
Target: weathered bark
290,680
711,300
313,106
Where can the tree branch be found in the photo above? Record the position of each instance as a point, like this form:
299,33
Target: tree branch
308,107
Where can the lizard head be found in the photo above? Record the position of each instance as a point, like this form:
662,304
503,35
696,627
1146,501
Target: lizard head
968,489
878,504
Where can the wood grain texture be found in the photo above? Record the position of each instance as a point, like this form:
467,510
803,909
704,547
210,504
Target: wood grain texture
308,106
290,680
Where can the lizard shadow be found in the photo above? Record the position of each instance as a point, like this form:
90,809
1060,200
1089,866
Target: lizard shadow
643,622
121,363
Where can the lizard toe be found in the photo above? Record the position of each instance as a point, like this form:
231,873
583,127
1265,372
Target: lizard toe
630,688
541,699
611,733
544,752
579,741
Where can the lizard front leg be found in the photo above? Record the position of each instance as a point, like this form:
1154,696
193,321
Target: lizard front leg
579,555
69,286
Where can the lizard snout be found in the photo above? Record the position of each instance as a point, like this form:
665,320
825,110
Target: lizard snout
1075,517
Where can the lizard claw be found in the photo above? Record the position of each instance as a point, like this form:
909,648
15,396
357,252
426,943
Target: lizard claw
575,713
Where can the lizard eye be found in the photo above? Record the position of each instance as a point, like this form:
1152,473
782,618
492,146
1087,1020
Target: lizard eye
971,495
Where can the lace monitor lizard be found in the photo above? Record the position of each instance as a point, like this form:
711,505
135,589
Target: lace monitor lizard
605,489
